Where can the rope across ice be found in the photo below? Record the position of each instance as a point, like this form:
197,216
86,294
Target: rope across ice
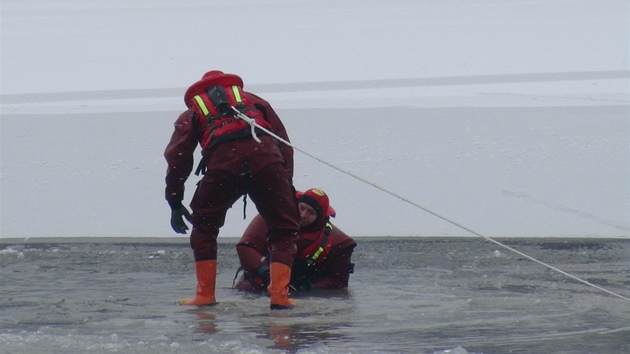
452,222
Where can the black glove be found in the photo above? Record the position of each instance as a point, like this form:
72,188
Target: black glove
178,212
262,273
302,285
300,277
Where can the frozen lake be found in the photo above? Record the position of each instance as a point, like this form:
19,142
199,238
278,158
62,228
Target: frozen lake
407,295
507,119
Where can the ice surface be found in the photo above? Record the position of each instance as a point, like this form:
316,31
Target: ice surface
407,295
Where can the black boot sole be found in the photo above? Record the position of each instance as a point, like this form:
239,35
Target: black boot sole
280,307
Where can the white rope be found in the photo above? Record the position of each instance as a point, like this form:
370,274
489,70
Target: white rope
253,124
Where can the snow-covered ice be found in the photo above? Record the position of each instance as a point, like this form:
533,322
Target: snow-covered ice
509,118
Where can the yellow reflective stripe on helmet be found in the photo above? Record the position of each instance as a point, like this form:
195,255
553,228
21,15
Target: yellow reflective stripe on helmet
202,105
237,94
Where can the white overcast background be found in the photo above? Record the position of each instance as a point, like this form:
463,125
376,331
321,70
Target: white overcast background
504,117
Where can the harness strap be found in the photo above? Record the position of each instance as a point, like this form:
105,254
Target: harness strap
317,252
251,121
201,167
248,175
215,102
220,100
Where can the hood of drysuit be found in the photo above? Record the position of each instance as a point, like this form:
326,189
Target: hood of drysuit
318,200
316,239
209,79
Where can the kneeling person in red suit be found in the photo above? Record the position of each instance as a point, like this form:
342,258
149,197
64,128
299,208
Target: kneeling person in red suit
324,253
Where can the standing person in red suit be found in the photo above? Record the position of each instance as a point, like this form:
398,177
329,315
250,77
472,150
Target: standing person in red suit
324,253
238,160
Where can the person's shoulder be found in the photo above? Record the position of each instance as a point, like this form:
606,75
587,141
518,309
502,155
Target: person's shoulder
186,114
257,99
341,239
185,120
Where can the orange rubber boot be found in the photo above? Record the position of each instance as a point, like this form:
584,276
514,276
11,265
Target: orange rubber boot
279,286
206,279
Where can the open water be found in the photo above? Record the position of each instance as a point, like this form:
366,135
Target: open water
407,295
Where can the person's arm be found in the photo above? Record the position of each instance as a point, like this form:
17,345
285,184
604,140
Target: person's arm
278,128
179,157
335,270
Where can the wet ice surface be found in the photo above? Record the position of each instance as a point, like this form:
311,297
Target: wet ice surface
421,295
